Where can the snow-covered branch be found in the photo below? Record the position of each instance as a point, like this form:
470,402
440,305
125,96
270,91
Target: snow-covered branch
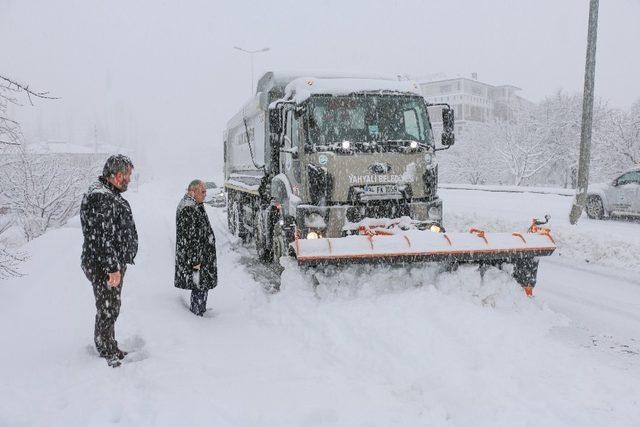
13,85
9,263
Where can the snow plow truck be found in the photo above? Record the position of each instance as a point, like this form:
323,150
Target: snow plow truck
334,169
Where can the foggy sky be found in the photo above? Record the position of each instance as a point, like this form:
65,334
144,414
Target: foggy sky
166,72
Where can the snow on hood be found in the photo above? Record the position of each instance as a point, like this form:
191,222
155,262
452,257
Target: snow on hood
303,87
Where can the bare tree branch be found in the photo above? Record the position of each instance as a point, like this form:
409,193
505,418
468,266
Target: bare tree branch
26,89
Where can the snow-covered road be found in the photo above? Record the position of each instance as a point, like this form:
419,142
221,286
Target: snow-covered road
382,347
594,279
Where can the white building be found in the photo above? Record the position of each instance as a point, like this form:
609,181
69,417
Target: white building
473,101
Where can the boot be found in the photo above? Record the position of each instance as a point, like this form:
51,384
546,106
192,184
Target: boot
113,361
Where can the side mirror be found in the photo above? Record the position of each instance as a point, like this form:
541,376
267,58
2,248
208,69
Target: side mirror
275,120
293,151
448,122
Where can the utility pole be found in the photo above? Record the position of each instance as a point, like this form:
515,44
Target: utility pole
587,116
251,53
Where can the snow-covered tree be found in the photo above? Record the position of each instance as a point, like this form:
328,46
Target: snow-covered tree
561,115
540,145
522,145
473,160
10,158
619,146
44,191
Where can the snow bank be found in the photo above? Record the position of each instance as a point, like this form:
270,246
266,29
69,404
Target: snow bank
609,243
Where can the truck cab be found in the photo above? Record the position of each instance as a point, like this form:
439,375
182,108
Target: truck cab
345,157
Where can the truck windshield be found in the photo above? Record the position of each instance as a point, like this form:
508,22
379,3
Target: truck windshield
380,119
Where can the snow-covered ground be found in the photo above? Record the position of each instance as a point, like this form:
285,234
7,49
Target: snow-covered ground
367,347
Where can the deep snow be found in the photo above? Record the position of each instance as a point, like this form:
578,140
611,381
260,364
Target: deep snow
368,346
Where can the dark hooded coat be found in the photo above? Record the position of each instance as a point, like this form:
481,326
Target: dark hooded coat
195,244
110,235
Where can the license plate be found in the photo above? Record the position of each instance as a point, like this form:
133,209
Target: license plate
381,189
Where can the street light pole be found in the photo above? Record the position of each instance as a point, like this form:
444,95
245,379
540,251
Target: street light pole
251,53
587,116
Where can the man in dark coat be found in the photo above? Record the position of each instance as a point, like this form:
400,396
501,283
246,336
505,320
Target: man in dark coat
196,267
110,243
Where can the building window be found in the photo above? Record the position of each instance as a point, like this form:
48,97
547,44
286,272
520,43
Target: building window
445,89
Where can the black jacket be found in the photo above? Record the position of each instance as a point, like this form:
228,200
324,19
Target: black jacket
110,236
195,244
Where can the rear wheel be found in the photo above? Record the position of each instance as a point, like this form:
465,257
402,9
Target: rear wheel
230,215
236,221
278,247
262,248
594,208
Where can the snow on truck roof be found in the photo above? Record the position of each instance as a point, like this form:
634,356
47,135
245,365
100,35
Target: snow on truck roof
302,88
304,84
279,79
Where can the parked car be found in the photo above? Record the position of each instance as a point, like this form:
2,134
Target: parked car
620,197
215,195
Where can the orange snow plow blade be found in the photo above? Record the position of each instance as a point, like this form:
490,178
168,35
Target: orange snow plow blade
424,246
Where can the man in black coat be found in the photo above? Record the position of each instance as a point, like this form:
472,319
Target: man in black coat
110,243
196,267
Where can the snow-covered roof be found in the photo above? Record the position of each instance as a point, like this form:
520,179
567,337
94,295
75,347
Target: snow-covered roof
443,79
301,88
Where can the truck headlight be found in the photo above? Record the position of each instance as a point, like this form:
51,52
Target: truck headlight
313,235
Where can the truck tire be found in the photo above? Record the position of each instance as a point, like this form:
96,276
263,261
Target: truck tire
230,223
278,247
262,247
241,229
236,221
594,208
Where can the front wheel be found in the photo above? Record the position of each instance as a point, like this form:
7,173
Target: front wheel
594,208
